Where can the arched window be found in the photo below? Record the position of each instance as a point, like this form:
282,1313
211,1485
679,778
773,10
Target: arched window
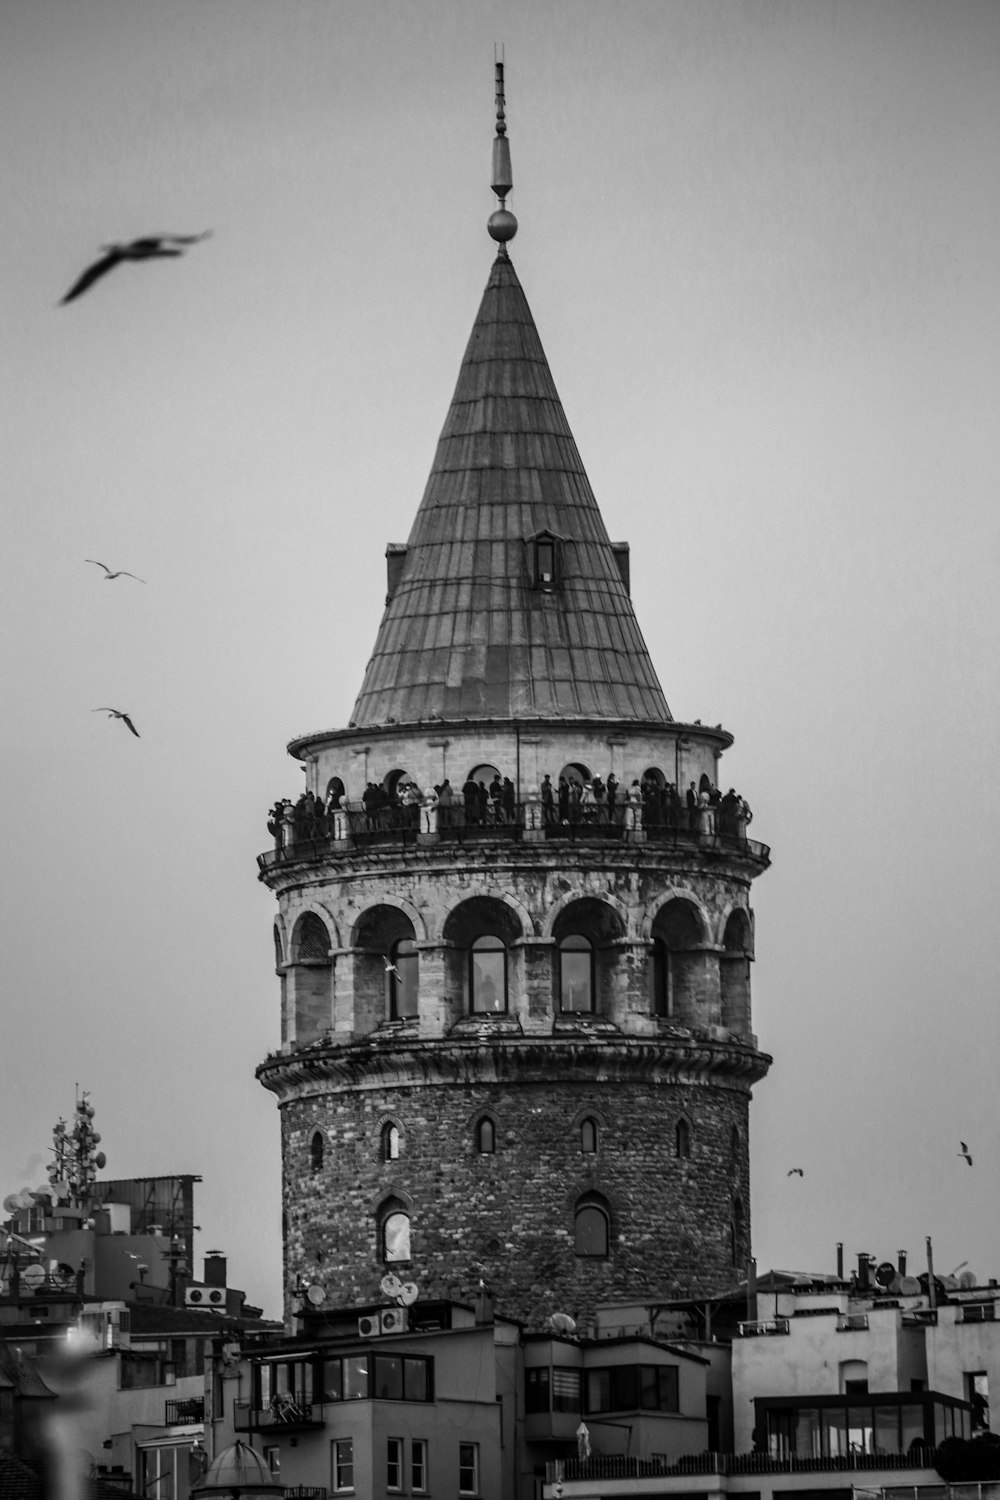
389,1141
486,1137
316,1151
576,974
545,561
402,980
395,1232
682,1138
592,1227
487,976
588,1135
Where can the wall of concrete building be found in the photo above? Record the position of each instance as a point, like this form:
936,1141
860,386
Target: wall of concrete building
956,1349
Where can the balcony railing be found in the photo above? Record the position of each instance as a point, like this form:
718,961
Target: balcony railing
305,1492
626,822
762,1328
180,1413
620,1466
288,1414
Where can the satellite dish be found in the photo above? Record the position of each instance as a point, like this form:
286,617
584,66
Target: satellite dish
315,1294
33,1276
562,1323
968,1280
909,1286
391,1284
25,1198
408,1293
45,1191
885,1273
12,1203
100,1160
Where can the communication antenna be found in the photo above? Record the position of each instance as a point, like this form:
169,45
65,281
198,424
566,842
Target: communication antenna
968,1280
561,1322
391,1285
315,1294
408,1294
885,1274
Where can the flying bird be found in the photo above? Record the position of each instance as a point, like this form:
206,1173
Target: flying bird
795,1172
108,575
149,248
390,967
964,1152
116,713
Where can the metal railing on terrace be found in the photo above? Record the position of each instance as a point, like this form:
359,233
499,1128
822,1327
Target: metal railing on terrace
622,1466
180,1412
355,828
287,1414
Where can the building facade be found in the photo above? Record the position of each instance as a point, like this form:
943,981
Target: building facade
514,930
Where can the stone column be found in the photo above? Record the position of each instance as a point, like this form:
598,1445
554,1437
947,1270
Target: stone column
438,1006
536,1004
343,992
630,993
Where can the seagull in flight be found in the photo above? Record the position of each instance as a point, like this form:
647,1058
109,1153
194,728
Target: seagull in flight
108,575
795,1172
116,713
148,248
965,1152
390,967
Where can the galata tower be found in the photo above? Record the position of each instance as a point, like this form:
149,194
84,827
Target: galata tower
514,931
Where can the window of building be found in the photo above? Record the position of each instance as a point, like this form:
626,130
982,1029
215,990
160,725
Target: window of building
389,1377
402,980
682,1139
389,1140
592,1228
487,976
316,1150
977,1393
272,1457
734,1142
396,1235
737,1231
576,974
555,1389
342,1455
545,561
418,1465
468,1468
486,1137
588,1136
401,1378
633,1388
394,1463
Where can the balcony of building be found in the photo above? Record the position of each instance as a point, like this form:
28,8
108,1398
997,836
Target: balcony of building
183,1413
280,1413
340,832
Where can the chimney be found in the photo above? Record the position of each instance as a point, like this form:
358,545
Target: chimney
931,1288
840,1260
751,1290
215,1268
863,1260
901,1262
484,1306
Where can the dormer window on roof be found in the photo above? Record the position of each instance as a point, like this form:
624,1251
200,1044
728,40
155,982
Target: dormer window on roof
545,561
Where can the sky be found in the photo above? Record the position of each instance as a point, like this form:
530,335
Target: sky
758,238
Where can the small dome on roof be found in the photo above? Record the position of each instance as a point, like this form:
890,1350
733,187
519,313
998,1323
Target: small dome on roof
238,1470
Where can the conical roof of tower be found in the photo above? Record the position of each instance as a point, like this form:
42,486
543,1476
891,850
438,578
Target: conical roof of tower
467,633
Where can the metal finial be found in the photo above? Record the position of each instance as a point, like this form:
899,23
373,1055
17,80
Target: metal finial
502,224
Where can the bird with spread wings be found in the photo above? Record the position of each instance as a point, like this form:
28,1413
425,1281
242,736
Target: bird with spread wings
108,575
117,713
150,247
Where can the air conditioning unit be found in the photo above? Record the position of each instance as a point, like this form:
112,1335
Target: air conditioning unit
206,1296
394,1320
369,1327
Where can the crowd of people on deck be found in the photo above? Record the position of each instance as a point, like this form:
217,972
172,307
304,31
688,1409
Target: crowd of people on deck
702,810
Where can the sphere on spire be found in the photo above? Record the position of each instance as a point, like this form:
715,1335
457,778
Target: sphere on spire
502,225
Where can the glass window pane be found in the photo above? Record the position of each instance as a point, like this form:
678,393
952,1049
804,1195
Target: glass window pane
333,1380
591,1232
576,974
389,1377
807,1438
356,1377
396,1234
536,1391
488,976
625,1387
416,1386
405,983
598,1390
566,1390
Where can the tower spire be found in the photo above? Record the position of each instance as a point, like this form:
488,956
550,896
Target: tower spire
502,225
